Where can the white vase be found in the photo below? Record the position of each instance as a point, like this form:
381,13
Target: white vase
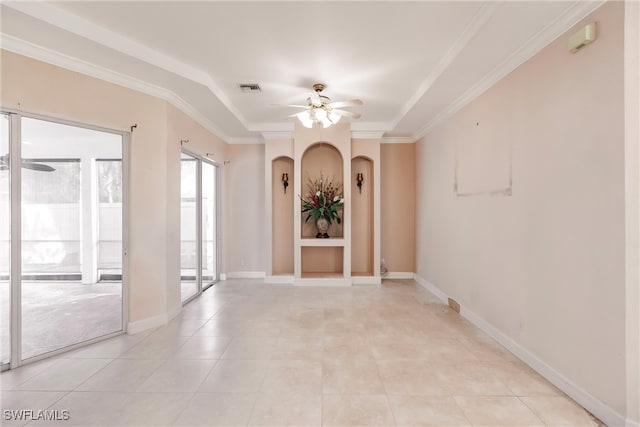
323,226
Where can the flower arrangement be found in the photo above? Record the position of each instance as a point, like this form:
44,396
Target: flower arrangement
323,199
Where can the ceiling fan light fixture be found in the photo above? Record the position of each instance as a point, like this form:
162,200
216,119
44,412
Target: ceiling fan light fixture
305,119
320,109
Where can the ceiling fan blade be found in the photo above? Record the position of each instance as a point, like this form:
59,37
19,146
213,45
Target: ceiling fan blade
40,167
290,105
349,114
349,103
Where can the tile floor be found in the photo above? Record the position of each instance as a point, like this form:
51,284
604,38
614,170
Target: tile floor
246,353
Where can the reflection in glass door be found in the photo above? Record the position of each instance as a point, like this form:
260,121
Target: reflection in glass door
68,199
209,235
189,283
5,244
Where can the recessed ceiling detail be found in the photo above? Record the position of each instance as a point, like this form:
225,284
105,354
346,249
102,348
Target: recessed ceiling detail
413,64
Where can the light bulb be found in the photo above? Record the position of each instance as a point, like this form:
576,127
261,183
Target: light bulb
334,117
321,114
305,119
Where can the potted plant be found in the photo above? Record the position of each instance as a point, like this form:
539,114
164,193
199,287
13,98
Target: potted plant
323,201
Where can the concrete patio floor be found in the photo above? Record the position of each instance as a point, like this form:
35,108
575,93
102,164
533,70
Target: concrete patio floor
60,313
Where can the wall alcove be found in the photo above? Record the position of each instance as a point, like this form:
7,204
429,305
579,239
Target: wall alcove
321,161
282,216
362,224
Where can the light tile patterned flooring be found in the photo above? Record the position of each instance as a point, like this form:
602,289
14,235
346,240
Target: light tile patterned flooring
246,353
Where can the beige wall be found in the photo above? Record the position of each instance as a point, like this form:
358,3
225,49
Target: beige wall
245,208
546,265
632,191
397,197
37,87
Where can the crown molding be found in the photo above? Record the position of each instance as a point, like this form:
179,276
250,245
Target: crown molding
397,140
49,56
271,127
248,140
277,135
359,134
574,13
476,23
79,26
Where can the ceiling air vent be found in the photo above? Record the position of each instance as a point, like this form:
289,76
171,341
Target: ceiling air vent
250,87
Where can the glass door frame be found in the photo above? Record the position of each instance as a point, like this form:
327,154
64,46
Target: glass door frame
217,188
15,272
199,160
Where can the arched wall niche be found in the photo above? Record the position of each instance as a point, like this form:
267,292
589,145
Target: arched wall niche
362,217
321,160
282,242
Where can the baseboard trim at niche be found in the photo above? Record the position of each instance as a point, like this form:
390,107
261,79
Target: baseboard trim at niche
398,275
607,414
279,280
366,280
243,275
153,322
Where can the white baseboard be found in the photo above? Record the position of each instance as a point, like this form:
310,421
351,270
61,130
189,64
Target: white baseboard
244,275
399,275
366,280
323,281
223,276
174,312
154,321
279,280
605,413
432,288
148,323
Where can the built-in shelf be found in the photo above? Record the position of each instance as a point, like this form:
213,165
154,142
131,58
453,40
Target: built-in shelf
335,242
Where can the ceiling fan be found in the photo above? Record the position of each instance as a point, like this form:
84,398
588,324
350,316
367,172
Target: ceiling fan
321,110
27,164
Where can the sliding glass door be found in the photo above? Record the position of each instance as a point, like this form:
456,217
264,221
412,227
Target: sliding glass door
209,222
5,244
64,286
188,227
64,300
198,226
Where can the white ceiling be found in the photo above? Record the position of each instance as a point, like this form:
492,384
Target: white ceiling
412,63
